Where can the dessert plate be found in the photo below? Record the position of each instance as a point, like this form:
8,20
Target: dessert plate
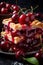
10,53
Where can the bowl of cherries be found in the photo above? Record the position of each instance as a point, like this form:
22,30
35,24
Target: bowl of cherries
22,33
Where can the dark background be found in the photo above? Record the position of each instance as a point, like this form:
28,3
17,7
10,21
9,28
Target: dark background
27,3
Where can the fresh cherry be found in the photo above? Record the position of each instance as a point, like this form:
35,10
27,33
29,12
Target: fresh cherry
14,12
4,11
31,16
16,8
39,54
15,18
15,49
5,45
8,6
22,19
12,5
3,4
37,14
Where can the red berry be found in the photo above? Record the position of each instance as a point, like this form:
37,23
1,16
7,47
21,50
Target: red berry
15,18
16,8
14,12
15,49
37,14
39,54
12,6
3,4
5,45
8,6
41,50
31,16
22,19
4,10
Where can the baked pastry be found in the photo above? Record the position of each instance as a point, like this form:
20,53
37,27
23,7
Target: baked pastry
22,37
37,24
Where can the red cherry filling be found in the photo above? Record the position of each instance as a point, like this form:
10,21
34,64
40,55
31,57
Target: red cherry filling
30,43
20,53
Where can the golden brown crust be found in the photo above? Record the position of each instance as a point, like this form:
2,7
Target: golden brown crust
36,24
5,21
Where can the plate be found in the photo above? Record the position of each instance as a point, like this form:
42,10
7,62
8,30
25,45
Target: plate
11,53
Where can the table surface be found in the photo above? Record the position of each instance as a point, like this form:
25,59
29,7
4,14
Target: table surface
11,60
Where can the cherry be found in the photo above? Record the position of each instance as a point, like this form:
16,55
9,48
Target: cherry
12,5
37,55
14,12
3,4
16,8
8,6
22,19
5,45
31,16
15,18
15,49
4,11
37,14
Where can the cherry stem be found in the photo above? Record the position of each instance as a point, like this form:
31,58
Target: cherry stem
27,11
21,10
36,7
31,9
